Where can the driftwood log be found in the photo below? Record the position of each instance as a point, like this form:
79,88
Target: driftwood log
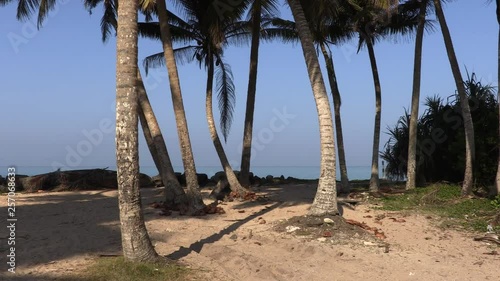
91,179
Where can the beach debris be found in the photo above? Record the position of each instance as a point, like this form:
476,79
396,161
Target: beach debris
321,239
489,228
212,208
328,221
488,237
327,234
377,232
291,228
492,253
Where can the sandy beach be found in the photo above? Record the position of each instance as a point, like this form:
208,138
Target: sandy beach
62,233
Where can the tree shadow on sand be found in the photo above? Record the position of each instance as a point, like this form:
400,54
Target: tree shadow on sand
198,246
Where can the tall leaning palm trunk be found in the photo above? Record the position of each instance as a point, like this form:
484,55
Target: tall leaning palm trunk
464,101
252,88
415,99
196,202
497,180
332,78
136,244
325,201
175,197
374,178
230,175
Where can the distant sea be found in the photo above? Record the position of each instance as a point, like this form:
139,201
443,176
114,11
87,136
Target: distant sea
301,172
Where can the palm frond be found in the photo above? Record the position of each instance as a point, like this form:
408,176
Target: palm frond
182,55
226,96
43,11
238,33
150,30
109,22
269,8
25,8
153,61
279,29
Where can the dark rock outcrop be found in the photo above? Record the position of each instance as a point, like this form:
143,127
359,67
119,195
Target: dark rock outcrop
92,179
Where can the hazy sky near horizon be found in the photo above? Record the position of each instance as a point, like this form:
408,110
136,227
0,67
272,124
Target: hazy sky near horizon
58,90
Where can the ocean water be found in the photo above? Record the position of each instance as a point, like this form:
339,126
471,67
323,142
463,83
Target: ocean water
301,172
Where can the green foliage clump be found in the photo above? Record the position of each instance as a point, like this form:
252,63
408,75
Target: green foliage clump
118,269
445,201
441,138
496,202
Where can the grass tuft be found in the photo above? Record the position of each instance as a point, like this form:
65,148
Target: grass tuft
118,269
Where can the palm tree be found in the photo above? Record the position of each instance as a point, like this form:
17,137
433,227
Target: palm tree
325,201
373,20
211,33
415,98
136,244
148,7
328,27
196,201
497,179
175,197
466,115
258,7
25,9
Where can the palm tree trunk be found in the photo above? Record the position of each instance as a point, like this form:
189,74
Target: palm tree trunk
175,197
325,201
148,138
332,78
374,178
415,100
464,102
496,191
136,244
231,177
252,87
193,193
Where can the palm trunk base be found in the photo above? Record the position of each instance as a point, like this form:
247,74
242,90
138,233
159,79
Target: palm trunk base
196,205
346,186
244,178
374,183
496,190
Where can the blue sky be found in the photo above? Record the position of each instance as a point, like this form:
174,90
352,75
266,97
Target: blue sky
58,88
